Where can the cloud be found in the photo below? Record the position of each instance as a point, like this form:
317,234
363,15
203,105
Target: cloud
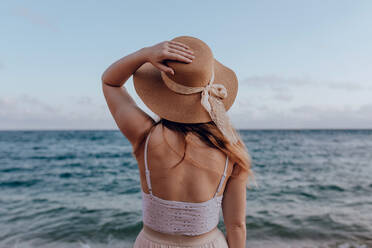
345,86
82,100
283,96
36,18
28,112
305,116
279,83
275,82
24,106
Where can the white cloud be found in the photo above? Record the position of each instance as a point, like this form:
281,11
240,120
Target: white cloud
27,112
345,86
275,83
279,83
305,116
35,18
283,96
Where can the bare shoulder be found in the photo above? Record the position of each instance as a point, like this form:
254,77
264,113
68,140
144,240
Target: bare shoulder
132,121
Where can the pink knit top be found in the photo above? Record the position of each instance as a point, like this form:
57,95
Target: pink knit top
177,217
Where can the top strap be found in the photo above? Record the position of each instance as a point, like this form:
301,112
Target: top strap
223,177
148,181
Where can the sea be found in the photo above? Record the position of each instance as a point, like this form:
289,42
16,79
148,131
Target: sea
81,189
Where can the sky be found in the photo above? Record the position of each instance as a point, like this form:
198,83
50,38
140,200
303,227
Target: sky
300,64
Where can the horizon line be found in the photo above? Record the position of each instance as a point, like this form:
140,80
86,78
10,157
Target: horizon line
241,129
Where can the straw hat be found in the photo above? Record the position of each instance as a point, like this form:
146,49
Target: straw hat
199,92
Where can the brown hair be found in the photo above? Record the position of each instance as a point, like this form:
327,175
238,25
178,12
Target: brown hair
211,136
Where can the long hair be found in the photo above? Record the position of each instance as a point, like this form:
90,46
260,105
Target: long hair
211,136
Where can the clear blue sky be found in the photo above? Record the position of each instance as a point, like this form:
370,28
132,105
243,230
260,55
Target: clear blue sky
300,64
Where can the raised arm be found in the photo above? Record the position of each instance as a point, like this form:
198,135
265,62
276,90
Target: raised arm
130,119
233,208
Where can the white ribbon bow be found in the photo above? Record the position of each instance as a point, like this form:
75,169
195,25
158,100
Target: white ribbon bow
218,90
211,96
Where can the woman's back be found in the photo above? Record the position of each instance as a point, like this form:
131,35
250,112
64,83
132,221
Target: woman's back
181,169
184,176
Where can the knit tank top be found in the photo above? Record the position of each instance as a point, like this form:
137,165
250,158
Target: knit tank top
178,217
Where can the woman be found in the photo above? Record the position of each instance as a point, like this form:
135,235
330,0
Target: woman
195,161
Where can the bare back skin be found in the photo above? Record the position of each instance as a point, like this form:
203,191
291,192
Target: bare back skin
183,181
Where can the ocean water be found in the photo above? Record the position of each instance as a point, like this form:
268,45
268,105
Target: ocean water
81,189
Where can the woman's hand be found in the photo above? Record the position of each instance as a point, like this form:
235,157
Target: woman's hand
168,50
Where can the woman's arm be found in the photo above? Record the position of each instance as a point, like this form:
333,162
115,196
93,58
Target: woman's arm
130,119
234,214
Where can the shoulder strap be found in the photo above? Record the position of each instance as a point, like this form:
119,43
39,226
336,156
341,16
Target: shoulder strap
223,177
148,181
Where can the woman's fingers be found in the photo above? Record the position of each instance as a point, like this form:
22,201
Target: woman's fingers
180,48
164,68
179,51
187,55
176,56
179,44
170,50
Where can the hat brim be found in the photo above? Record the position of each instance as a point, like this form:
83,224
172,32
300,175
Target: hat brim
178,107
